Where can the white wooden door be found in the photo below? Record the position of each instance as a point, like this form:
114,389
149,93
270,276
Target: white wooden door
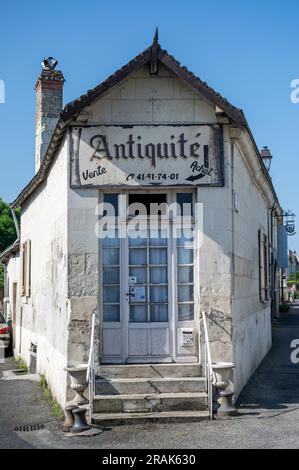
147,294
148,312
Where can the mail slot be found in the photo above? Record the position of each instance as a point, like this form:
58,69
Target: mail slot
187,338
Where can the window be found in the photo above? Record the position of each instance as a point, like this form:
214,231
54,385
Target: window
148,200
26,269
112,198
263,267
185,201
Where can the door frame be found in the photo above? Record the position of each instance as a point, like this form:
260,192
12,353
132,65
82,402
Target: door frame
149,325
173,322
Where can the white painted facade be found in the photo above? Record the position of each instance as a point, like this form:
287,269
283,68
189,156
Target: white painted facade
43,317
66,257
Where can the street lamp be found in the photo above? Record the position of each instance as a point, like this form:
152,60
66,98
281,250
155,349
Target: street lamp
267,157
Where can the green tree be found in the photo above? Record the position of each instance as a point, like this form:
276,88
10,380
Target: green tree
7,231
1,277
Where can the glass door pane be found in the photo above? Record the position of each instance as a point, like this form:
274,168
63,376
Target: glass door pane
111,278
185,269
148,268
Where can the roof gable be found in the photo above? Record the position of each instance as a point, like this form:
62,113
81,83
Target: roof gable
152,56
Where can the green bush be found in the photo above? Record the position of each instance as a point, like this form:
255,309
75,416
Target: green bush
294,278
284,308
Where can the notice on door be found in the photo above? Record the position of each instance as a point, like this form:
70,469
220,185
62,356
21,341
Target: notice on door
133,156
137,294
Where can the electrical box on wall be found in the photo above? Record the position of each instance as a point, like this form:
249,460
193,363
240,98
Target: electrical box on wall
187,337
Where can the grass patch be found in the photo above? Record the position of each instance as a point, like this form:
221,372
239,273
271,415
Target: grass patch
56,408
21,364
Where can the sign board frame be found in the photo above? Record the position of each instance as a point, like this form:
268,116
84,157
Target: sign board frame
136,156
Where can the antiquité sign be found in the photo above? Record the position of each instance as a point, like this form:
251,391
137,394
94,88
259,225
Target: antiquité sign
146,156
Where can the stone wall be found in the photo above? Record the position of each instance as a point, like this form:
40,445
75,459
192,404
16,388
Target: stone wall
144,98
83,271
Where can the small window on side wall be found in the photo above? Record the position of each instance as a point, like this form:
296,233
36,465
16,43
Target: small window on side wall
263,267
26,268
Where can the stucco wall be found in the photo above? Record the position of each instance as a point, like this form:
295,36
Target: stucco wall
215,262
43,318
251,319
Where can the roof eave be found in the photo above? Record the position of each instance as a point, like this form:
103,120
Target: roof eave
9,252
264,169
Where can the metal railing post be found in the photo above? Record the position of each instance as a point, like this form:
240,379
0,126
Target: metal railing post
90,374
208,366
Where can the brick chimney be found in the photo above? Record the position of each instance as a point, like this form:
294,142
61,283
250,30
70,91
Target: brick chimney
48,90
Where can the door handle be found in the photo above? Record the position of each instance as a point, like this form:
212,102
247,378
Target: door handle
130,294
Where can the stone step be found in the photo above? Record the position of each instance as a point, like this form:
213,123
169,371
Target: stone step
125,371
116,419
146,403
149,385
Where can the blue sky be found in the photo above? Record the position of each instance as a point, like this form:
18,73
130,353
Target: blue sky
245,50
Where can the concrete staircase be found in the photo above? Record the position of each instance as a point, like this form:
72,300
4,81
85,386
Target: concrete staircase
151,392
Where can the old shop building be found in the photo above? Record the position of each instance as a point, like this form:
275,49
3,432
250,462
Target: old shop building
151,132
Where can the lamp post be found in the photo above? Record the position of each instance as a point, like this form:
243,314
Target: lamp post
267,157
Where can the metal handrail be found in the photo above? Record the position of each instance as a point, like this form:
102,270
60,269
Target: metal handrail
90,373
208,367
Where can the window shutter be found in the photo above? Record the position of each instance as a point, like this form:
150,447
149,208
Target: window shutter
266,267
22,269
264,272
260,265
28,268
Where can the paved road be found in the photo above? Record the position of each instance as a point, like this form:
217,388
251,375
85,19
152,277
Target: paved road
21,403
269,412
